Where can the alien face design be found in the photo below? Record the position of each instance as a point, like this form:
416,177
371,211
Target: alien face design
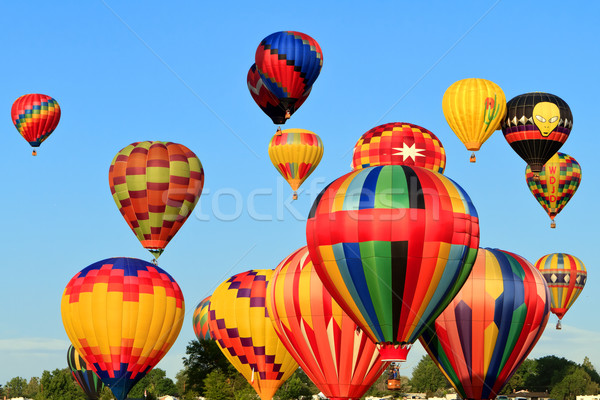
546,117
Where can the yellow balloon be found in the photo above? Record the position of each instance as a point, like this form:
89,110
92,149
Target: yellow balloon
295,153
474,109
239,322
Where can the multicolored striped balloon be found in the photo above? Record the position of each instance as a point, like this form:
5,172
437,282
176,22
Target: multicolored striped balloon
393,244
295,153
35,116
566,276
335,354
474,109
122,315
267,101
399,143
536,126
156,186
288,63
491,326
200,320
238,320
85,377
557,183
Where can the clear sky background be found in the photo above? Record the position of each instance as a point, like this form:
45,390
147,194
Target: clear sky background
133,71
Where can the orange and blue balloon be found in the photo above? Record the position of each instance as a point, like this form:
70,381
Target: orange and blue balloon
122,316
393,245
566,276
491,326
35,116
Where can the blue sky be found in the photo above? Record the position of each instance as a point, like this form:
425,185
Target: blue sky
132,71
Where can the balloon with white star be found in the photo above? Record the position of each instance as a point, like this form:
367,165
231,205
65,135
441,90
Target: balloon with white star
399,143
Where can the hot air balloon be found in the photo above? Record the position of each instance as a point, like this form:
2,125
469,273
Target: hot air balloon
536,126
399,143
337,356
557,183
267,101
295,153
122,315
566,276
393,244
474,109
288,63
86,378
240,323
156,186
200,320
491,326
35,116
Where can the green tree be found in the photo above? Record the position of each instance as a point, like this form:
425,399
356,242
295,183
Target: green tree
217,387
59,385
296,387
16,387
203,357
576,382
33,388
155,384
589,368
526,372
427,377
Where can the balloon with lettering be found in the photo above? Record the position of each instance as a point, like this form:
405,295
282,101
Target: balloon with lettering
35,116
399,143
84,375
156,186
337,356
240,324
200,320
289,63
122,315
566,276
295,153
558,181
267,101
474,109
536,126
491,326
393,244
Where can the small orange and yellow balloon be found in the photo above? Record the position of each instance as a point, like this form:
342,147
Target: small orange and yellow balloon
295,153
474,109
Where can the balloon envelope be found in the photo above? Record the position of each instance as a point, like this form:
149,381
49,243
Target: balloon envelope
156,186
295,153
393,244
122,315
267,101
337,356
87,379
399,143
474,109
536,126
491,326
558,181
289,63
240,324
200,320
566,276
35,116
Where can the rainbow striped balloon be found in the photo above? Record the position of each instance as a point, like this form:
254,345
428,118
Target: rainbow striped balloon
295,153
337,356
156,186
239,322
393,244
566,276
200,320
35,116
491,326
85,377
122,315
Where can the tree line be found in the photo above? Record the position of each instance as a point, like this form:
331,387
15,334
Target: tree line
209,374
